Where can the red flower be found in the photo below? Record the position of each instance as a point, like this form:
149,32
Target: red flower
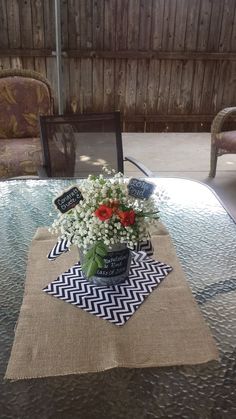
127,218
103,212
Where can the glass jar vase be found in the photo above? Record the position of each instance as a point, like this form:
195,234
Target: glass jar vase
116,267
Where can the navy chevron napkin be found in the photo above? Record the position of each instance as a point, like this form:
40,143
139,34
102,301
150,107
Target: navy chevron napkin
62,246
117,303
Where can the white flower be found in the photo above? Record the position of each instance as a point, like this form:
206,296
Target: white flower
84,228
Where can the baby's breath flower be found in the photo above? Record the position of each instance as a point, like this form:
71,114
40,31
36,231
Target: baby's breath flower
83,228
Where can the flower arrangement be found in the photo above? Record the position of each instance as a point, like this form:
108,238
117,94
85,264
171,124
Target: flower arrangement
107,215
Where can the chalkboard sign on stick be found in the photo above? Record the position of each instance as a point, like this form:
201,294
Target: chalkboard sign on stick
140,188
68,200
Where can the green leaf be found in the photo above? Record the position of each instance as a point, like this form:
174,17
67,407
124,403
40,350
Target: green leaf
91,268
90,253
100,261
101,251
94,259
101,245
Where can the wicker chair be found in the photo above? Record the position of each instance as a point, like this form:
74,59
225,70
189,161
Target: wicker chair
222,142
24,95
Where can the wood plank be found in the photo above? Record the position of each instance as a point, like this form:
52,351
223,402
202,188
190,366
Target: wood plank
19,52
86,85
86,13
38,24
26,24
192,25
16,62
121,24
204,25
98,84
4,42
133,24
145,24
169,25
109,79
218,87
40,66
66,85
74,24
153,85
185,104
157,24
132,126
120,85
197,86
164,87
227,25
65,28
110,25
130,94
5,63
51,72
180,24
141,86
175,86
75,89
180,118
49,25
28,63
161,55
98,23
13,23
233,36
139,55
207,90
229,93
215,25
156,69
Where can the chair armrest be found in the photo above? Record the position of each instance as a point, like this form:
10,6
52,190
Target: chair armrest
23,177
220,119
140,166
42,172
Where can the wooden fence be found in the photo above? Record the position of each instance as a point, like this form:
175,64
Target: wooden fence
168,65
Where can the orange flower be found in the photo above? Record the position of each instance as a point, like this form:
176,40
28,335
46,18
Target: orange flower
103,212
127,218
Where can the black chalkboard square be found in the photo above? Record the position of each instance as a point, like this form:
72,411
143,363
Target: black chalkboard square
68,199
139,188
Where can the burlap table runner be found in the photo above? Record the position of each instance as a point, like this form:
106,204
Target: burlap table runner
55,338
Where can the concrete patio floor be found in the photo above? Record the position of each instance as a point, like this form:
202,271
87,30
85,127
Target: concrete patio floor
185,155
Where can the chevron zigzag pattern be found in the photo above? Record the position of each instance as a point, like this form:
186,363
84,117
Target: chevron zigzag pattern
60,247
146,246
117,303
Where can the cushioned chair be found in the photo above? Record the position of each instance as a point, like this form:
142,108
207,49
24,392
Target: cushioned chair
222,142
24,95
78,145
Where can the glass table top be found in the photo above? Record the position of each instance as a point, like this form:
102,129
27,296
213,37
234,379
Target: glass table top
204,236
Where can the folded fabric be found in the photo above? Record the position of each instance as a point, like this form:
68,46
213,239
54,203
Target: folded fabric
62,246
116,303
55,338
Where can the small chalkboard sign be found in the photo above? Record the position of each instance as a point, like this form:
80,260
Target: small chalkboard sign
68,200
140,188
115,264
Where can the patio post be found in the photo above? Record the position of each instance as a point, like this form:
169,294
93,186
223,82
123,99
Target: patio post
58,57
